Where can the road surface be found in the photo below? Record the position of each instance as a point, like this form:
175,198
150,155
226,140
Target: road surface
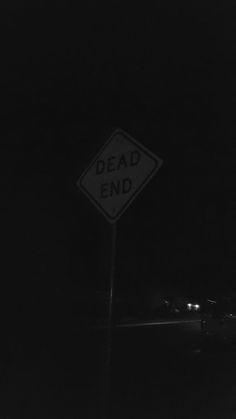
158,371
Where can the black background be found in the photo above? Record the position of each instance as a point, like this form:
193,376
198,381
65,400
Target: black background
163,72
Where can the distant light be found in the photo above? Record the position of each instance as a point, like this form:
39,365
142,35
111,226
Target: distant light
212,301
197,306
189,305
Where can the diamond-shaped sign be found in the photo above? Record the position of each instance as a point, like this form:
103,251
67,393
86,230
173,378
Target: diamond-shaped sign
117,174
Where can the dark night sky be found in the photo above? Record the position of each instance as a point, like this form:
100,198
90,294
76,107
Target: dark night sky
165,73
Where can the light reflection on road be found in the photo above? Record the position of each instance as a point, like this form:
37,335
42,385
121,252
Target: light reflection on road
158,323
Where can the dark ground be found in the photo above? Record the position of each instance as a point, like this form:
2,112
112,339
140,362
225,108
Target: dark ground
158,371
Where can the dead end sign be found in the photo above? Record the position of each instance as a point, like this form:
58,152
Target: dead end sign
117,174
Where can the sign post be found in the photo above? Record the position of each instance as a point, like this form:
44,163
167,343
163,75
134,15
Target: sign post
112,181
107,399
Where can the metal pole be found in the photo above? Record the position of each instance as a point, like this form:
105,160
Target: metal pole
107,407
